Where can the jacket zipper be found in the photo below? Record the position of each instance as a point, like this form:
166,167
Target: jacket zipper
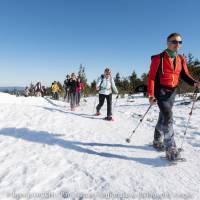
173,67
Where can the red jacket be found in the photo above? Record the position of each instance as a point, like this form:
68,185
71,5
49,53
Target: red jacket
80,88
168,76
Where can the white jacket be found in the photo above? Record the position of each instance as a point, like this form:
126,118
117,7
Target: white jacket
106,85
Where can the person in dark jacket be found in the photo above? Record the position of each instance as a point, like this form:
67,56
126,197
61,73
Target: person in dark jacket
66,88
73,84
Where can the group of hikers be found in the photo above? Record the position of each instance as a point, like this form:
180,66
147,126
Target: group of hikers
73,90
38,90
165,70
74,87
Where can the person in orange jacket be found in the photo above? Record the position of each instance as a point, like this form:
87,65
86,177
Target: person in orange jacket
165,70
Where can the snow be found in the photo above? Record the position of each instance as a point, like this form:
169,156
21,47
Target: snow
45,147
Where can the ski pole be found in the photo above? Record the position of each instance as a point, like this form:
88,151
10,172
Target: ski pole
94,103
190,114
115,103
129,139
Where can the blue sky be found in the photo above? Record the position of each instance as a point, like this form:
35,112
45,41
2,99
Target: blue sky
43,40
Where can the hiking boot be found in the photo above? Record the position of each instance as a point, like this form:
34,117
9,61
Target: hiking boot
158,145
98,113
108,118
173,153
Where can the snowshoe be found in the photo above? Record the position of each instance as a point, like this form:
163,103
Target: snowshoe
173,154
98,113
173,161
108,118
158,145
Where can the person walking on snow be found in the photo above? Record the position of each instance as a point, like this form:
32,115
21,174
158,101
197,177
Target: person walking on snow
38,89
66,87
165,70
55,90
79,90
73,84
105,84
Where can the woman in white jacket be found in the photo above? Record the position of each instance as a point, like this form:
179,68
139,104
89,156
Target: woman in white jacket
105,85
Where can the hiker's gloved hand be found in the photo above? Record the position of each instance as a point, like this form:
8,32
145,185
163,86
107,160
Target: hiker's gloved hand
152,100
197,85
117,96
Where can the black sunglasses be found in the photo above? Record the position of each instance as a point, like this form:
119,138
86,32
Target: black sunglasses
175,42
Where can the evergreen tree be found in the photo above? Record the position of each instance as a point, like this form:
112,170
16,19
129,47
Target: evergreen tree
117,79
125,86
194,70
32,89
190,60
118,82
144,78
82,74
134,81
93,87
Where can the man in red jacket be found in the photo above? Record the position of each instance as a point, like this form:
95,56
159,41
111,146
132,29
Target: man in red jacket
165,70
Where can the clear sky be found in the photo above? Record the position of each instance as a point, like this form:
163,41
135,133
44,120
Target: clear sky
43,40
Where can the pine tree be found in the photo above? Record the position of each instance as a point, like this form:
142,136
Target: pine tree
117,79
144,78
190,60
125,86
194,70
118,82
32,89
93,87
134,81
82,74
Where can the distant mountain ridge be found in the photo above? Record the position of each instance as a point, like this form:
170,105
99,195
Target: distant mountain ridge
18,88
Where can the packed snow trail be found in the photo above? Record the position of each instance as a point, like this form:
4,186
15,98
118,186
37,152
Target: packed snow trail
44,147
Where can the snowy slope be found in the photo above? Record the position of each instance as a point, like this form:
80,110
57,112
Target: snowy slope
44,147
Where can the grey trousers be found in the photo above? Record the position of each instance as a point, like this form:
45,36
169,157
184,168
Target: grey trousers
67,95
72,99
78,98
164,127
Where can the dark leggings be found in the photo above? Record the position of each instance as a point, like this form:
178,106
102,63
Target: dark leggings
108,98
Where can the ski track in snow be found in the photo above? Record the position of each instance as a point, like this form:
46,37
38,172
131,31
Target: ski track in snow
46,147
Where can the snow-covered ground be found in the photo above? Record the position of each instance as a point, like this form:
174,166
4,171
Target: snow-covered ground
44,147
